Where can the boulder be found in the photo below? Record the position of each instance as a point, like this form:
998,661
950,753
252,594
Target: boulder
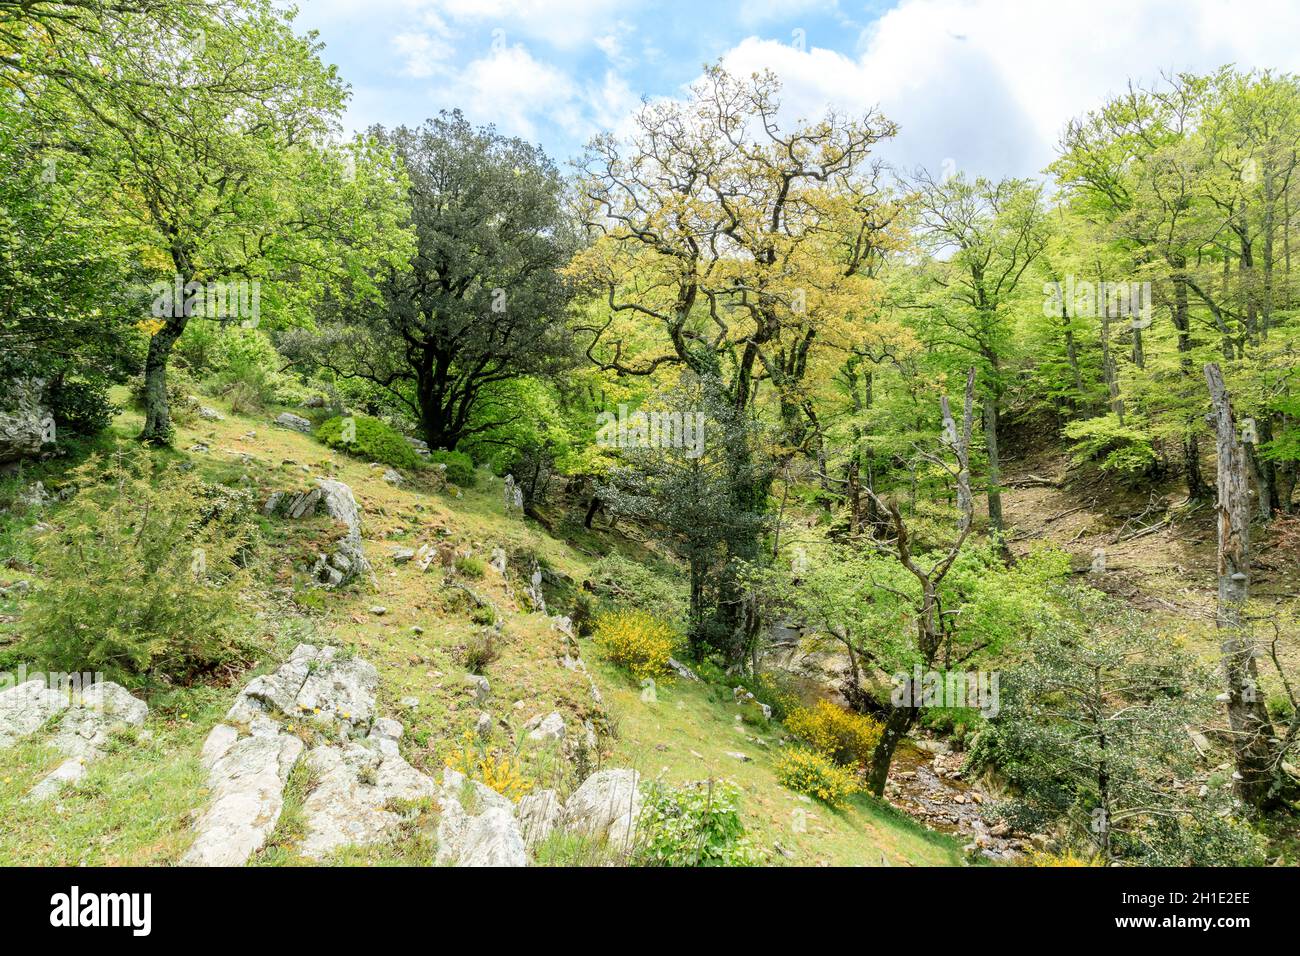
314,684
539,814
210,414
478,826
247,781
25,709
294,422
26,425
479,683
606,807
93,716
546,729
355,786
498,561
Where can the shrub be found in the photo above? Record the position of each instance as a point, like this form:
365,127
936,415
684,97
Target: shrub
80,407
636,641
501,772
368,438
479,651
460,467
1123,449
693,825
618,580
162,599
582,615
843,736
811,773
471,567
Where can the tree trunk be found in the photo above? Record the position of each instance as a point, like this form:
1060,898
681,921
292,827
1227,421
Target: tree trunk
900,721
157,412
1247,717
995,471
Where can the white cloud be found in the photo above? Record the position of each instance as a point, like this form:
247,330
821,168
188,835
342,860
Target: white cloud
424,54
990,84
564,24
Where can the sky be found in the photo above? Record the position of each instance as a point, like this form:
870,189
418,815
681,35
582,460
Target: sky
978,86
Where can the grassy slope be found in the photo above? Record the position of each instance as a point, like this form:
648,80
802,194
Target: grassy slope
136,805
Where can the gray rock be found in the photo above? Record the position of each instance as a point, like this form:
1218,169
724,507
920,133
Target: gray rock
26,425
681,670
483,726
539,814
513,496
295,422
485,833
210,414
247,784
393,478
355,785
481,686
403,555
25,709
68,772
546,729
498,561
606,807
34,496
92,717
315,684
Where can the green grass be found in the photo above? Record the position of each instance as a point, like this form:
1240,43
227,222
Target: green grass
686,734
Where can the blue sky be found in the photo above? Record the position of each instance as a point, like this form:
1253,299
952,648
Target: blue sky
983,86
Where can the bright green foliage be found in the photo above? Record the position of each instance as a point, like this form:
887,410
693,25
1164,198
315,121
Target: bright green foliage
1093,725
697,824
162,602
368,438
460,467
1125,449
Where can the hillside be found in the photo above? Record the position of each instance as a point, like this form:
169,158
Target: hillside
137,804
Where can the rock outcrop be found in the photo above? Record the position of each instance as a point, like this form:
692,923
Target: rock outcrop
606,807
295,422
348,559
478,826
86,720
250,755
26,425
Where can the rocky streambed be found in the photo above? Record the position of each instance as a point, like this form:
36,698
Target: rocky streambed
928,784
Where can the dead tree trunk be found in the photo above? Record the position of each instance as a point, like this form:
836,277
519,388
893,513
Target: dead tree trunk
1248,719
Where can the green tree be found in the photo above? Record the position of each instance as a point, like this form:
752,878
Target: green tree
480,302
211,139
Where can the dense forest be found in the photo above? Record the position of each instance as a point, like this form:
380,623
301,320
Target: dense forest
724,378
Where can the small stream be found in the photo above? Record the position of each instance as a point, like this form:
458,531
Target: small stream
926,783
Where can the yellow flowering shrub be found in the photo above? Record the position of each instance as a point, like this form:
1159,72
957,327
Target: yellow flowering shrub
842,735
501,772
1068,858
636,641
809,772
